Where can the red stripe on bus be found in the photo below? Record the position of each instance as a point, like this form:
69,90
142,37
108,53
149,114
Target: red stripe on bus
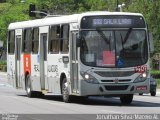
27,63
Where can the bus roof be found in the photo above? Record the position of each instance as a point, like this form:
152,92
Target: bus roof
62,19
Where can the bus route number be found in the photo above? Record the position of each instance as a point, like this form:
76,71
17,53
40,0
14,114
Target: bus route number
140,69
53,68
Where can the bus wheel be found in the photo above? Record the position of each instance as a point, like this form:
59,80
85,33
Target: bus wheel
29,91
126,99
65,91
153,93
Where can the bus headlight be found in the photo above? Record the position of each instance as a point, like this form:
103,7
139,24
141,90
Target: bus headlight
144,75
89,78
141,78
86,76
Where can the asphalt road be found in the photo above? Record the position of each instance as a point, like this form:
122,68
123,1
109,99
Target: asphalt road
14,102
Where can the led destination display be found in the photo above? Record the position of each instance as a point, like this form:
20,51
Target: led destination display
91,22
112,22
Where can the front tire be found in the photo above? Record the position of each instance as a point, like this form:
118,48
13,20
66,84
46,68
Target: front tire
153,93
29,91
126,99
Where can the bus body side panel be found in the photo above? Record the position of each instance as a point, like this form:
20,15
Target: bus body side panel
53,76
64,68
11,70
35,74
39,62
22,73
43,57
18,63
74,64
55,68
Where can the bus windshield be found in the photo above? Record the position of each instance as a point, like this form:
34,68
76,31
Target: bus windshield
114,48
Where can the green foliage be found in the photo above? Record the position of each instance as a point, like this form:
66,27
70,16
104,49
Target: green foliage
73,6
3,62
56,6
155,74
158,83
150,9
3,66
12,11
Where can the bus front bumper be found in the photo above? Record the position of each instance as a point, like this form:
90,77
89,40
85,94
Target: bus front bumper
89,89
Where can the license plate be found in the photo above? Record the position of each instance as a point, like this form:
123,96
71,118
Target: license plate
141,88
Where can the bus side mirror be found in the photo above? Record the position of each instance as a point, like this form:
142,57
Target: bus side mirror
32,8
78,39
151,45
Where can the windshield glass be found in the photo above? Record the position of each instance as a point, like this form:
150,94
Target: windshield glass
116,48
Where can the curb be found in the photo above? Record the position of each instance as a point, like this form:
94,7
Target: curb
3,73
158,90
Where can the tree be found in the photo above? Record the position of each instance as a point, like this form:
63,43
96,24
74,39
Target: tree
150,10
12,11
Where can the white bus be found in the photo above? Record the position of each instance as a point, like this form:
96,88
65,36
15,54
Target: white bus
88,54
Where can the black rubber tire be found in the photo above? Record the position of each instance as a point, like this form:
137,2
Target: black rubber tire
153,93
29,91
39,94
140,93
126,99
81,99
65,92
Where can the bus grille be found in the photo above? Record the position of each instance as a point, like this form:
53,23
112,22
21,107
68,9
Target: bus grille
113,81
120,87
115,73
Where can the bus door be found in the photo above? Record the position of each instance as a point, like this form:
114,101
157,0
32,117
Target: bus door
74,64
43,57
18,70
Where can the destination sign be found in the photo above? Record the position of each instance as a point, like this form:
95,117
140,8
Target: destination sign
112,21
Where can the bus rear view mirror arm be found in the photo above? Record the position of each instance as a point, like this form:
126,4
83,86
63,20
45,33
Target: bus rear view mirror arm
78,39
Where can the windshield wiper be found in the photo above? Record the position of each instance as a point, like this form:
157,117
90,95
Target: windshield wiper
104,37
122,41
127,35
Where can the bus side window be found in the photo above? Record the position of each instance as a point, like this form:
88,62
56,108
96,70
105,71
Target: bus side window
11,42
54,39
27,40
65,38
35,40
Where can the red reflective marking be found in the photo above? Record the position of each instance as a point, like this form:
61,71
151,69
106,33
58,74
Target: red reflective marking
27,63
141,88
